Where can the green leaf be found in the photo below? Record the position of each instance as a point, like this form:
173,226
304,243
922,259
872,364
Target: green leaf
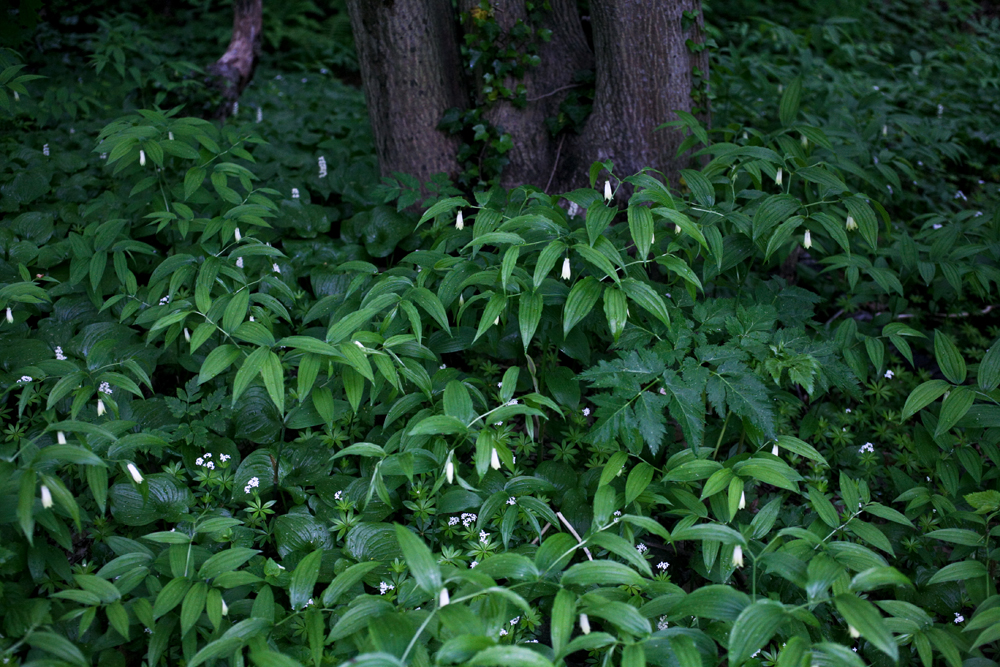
640,226
441,207
865,217
420,560
616,310
580,302
57,645
529,314
962,571
439,425
801,448
789,105
194,604
864,617
599,216
924,395
227,560
644,296
989,368
876,577
715,602
457,402
602,572
248,371
955,406
563,616
638,479
217,361
304,580
949,358
502,656
346,580
753,629
957,536
234,638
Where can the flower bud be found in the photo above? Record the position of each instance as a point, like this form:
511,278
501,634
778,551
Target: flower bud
187,335
225,608
136,475
459,222
239,237
608,196
461,300
777,177
494,459
677,229
170,135
10,316
449,471
584,624
807,240
851,225
142,158
805,141
443,598
46,497
743,500
566,275
60,437
738,556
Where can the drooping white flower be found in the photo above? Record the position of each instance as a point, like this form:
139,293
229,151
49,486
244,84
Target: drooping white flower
46,497
677,229
885,130
60,437
778,176
100,407
807,240
743,500
851,225
449,471
494,459
136,475
459,221
225,608
738,556
10,316
443,598
804,141
187,335
566,274
142,158
774,449
608,196
236,108
239,237
584,624
853,631
170,135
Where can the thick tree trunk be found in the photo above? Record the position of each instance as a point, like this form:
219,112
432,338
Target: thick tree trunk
534,153
234,70
644,72
409,58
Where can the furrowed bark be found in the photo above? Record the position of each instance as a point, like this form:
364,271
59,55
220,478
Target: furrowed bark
532,158
409,58
234,70
644,72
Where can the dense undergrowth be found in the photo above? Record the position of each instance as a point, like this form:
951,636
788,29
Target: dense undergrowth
259,406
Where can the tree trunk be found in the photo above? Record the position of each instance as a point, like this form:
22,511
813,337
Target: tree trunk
533,156
644,73
409,58
234,70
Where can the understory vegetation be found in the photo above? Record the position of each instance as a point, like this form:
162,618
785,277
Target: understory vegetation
261,406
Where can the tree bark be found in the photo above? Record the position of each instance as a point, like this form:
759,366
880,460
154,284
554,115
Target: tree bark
644,72
409,58
234,70
533,156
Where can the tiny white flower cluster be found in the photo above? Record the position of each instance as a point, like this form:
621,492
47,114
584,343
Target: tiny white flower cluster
252,484
25,379
338,495
205,461
574,209
641,548
105,388
165,300
45,150
384,588
503,633
515,620
586,412
276,268
473,564
260,114
484,537
959,618
453,521
961,195
662,565
512,500
889,374
468,519
662,624
867,447
295,193
239,262
59,354
322,166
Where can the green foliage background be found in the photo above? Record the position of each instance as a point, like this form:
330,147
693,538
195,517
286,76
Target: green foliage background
260,406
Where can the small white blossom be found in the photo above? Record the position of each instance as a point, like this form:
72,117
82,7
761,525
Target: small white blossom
199,461
574,209
586,412
473,564
295,193
225,457
662,624
503,633
889,188
260,114
566,273
515,620
136,475
46,497
10,316
940,110
512,500
494,459
442,367
165,300
889,374
958,617
252,484
322,166
443,598
662,565
584,624
453,521
338,495
867,447
512,401
25,379
848,411
961,195
641,548
276,268
937,225
142,158
239,262
105,388
384,588
468,519
484,537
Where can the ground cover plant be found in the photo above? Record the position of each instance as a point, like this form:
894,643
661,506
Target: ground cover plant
261,406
